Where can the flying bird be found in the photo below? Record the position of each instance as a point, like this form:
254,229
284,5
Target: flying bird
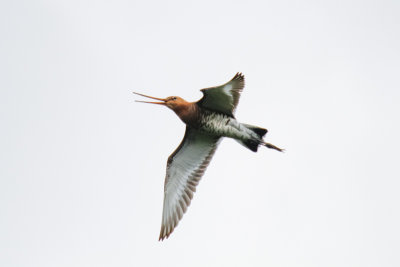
207,122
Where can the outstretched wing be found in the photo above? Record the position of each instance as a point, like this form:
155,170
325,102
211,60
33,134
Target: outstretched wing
185,167
223,98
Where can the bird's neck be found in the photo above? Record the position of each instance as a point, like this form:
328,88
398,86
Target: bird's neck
187,112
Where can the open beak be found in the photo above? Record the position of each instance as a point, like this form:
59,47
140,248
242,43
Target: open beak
160,99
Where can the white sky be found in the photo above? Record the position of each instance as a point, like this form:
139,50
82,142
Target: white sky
83,165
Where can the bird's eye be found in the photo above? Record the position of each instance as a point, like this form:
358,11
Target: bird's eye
174,98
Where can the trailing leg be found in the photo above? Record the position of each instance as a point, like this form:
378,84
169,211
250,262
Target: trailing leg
272,146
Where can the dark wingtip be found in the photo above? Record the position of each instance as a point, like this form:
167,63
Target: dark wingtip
238,76
164,234
162,237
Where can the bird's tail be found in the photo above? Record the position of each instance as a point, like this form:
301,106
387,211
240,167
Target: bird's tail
253,144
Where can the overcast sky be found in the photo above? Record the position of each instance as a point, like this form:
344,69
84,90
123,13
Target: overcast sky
83,165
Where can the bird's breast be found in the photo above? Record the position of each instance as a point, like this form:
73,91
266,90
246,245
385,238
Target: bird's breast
189,114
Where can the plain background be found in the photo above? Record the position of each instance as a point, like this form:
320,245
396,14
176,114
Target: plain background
82,165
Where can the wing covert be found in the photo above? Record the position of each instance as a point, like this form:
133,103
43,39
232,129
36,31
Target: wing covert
223,98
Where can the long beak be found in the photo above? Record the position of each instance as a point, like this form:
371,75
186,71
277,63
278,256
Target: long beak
156,98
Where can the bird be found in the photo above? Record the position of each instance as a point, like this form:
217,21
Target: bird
207,121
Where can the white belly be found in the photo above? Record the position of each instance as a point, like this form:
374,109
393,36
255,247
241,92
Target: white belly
222,125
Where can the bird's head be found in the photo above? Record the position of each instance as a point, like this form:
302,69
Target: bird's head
172,102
